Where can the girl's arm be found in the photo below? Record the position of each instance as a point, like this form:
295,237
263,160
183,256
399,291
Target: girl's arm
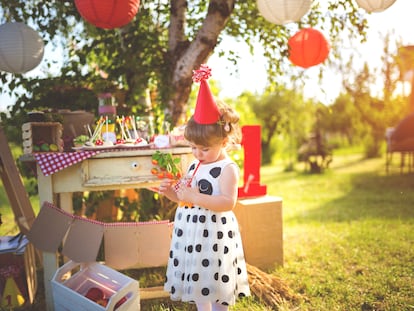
224,202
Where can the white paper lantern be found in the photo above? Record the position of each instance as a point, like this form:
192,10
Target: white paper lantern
21,48
283,11
375,5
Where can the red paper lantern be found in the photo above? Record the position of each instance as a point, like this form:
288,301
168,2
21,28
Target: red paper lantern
308,47
108,14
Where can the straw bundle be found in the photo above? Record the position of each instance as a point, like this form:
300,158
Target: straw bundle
268,288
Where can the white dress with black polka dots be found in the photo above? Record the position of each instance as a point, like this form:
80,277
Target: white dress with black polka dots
206,261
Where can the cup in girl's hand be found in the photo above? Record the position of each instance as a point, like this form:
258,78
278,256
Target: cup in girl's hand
183,182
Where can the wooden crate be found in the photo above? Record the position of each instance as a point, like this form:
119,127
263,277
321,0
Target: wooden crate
34,133
72,282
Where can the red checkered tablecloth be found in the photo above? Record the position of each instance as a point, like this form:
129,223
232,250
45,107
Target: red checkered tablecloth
52,162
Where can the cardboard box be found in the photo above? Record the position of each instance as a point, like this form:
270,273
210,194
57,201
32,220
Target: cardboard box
261,227
18,278
33,133
127,245
74,281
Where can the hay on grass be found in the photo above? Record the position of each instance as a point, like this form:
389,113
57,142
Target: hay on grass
268,288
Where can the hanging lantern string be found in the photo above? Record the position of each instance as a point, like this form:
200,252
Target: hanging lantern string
201,74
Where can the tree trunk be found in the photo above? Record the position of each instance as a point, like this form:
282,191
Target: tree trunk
188,56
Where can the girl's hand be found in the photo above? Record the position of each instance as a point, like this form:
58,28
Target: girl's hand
165,186
186,194
155,189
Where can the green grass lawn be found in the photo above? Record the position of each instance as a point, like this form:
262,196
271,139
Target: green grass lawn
348,237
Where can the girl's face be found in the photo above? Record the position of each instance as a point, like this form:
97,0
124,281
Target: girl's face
208,154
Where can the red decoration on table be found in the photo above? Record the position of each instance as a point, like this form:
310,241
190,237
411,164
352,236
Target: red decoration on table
251,142
108,14
308,47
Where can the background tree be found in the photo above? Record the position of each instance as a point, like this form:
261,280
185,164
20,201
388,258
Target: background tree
284,115
162,45
376,112
342,121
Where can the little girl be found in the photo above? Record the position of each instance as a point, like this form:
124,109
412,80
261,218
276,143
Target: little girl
206,263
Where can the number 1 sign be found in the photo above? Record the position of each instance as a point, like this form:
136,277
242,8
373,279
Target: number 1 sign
251,143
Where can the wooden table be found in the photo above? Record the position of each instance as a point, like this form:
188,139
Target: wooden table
121,169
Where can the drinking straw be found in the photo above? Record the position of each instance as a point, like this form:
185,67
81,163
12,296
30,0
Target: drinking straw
134,127
106,127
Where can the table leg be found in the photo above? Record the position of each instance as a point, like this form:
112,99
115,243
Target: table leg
50,260
66,202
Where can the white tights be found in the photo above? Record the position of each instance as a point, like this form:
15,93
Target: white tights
208,306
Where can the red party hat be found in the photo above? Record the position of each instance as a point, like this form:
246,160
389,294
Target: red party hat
206,110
